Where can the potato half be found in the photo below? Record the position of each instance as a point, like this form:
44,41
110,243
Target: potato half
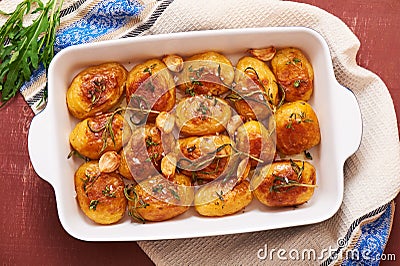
254,139
96,89
286,183
158,199
207,73
96,135
212,201
297,128
100,195
256,85
294,73
202,115
151,86
204,157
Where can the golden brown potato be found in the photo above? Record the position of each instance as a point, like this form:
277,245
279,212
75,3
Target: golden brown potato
96,89
92,136
294,73
254,139
158,199
286,183
201,115
207,73
204,157
123,168
297,128
143,153
100,195
151,86
210,200
256,86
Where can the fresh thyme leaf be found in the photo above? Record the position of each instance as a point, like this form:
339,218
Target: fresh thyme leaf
190,91
93,204
158,188
77,154
108,193
308,155
220,195
296,60
150,142
296,83
26,47
175,194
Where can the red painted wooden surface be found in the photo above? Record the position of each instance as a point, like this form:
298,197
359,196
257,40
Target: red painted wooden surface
30,231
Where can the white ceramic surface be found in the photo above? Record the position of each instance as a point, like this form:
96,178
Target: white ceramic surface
336,107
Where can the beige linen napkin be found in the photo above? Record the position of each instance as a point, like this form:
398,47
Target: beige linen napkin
372,176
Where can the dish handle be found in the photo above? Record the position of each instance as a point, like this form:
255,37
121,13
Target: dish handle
350,120
39,146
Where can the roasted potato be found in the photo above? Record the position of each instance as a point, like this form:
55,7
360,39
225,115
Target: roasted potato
297,128
92,136
211,200
204,157
256,86
100,195
143,153
294,73
151,86
286,183
123,168
254,139
96,89
202,115
158,199
208,73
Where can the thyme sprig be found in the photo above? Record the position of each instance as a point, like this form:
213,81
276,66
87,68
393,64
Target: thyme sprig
106,129
137,203
283,182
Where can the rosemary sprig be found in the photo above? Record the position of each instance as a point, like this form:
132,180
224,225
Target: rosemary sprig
283,182
107,129
137,203
25,48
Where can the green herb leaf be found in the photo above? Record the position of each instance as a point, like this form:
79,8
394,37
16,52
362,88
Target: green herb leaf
26,47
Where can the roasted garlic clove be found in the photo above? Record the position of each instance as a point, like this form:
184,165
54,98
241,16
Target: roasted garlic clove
165,122
234,123
263,54
173,62
109,162
168,165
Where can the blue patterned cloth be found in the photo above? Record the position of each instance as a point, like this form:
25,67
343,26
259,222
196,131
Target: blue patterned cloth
105,17
370,246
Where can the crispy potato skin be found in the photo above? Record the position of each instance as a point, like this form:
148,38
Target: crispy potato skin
100,195
143,154
87,136
164,199
200,73
229,203
193,148
202,115
253,138
297,128
255,75
294,72
154,83
96,89
286,196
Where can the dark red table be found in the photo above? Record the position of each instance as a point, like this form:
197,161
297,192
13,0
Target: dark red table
30,231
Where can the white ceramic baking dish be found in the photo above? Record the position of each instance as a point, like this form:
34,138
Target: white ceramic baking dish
336,107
